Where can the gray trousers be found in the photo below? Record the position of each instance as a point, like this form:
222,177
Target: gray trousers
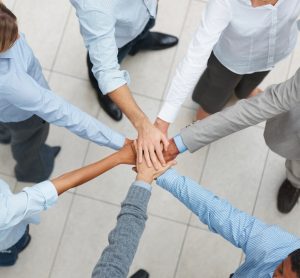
35,159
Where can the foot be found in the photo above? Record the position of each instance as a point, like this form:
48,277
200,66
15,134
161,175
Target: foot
255,92
154,41
140,274
287,197
201,114
9,256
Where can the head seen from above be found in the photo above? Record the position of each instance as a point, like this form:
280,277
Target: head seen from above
290,267
8,28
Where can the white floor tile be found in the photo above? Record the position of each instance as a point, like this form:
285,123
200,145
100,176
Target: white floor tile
37,259
43,24
207,255
10,181
159,248
234,168
84,239
266,206
149,70
71,58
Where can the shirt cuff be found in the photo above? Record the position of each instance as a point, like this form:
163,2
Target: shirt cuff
168,112
179,143
113,81
143,185
48,190
117,141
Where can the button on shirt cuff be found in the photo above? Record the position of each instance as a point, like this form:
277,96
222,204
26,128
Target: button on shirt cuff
179,143
168,112
47,190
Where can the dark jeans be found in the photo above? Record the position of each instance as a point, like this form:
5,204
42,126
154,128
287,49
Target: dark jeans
123,51
35,159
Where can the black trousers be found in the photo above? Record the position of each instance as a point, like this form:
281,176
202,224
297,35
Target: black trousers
35,159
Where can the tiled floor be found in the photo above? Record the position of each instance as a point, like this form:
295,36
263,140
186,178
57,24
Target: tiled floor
240,167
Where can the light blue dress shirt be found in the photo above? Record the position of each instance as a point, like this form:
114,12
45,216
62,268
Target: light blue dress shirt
19,210
265,246
25,92
107,25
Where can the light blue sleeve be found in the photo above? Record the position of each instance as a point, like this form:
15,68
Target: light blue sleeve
179,143
26,94
98,31
220,216
31,200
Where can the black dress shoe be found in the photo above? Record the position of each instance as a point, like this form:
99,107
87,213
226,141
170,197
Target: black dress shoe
140,274
154,41
287,197
104,100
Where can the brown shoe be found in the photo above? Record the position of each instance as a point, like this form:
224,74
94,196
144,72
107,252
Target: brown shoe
287,197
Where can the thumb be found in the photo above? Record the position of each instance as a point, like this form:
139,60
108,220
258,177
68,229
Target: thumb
165,141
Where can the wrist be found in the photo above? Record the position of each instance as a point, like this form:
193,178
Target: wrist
144,178
139,121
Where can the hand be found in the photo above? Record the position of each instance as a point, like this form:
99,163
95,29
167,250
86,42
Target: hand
149,144
172,151
162,126
127,155
148,174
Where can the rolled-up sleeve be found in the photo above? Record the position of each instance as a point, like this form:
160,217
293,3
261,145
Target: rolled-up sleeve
98,31
14,208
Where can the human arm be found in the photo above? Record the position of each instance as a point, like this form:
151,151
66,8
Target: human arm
215,19
32,200
97,25
275,100
26,94
220,216
124,238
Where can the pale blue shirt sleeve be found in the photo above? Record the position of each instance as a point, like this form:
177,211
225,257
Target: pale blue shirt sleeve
97,28
239,228
179,144
14,208
26,94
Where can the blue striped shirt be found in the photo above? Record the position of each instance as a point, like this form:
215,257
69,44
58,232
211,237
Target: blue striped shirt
107,25
265,246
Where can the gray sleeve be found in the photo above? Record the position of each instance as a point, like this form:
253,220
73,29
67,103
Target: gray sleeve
276,99
124,238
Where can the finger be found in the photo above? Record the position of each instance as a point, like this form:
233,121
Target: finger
153,158
140,153
165,141
160,155
147,157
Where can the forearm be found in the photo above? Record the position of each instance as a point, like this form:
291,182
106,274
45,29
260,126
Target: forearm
77,177
219,215
124,238
125,101
275,100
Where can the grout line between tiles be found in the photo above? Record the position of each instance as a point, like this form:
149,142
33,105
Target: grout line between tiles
61,38
67,217
181,247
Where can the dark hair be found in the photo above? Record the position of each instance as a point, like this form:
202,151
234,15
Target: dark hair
295,261
8,28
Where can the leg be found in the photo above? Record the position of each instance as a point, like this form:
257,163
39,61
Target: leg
214,88
9,256
152,40
248,85
35,159
105,102
289,191
5,136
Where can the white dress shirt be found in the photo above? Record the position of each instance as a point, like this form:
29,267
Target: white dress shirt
243,38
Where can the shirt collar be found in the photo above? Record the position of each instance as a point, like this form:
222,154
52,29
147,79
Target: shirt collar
7,54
